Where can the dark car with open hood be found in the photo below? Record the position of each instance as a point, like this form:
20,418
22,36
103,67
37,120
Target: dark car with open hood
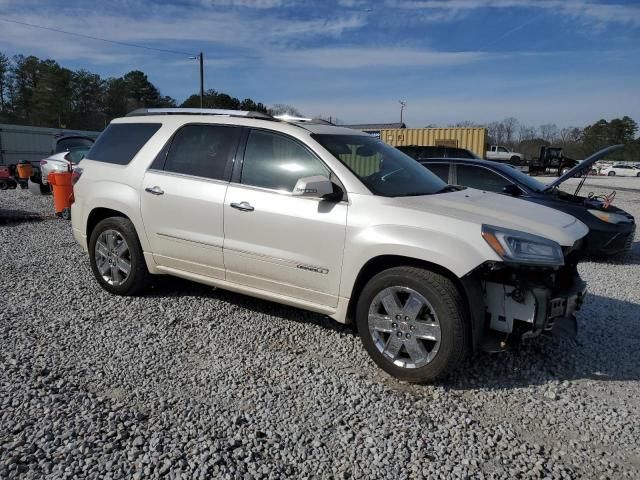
611,229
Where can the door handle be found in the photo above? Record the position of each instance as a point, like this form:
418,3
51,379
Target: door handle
243,206
154,190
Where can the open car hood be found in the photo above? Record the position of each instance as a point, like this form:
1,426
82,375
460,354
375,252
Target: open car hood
583,166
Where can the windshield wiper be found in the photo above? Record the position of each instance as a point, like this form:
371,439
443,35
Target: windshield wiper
450,188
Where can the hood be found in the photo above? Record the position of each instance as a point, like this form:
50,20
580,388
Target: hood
583,166
480,207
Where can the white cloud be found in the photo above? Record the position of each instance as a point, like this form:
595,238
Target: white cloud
351,58
252,36
585,10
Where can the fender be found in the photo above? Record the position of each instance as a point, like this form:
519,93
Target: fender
120,197
451,252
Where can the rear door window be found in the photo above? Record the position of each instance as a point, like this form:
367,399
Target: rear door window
203,151
481,178
120,142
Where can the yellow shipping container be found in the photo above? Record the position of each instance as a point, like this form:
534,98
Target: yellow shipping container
474,139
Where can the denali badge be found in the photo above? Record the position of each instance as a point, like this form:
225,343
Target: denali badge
311,268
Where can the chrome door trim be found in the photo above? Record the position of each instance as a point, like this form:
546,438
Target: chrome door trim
173,237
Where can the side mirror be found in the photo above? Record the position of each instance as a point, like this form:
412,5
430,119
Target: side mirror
512,190
317,186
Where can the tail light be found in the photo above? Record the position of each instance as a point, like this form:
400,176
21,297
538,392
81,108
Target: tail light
75,175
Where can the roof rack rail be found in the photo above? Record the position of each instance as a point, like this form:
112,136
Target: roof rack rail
198,111
291,118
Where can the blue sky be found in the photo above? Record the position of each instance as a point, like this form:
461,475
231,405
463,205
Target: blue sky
569,62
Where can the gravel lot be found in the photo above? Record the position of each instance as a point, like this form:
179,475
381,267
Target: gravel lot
191,382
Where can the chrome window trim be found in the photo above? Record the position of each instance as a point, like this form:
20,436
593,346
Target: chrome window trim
187,176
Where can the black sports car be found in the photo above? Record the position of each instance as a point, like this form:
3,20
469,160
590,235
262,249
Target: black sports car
611,229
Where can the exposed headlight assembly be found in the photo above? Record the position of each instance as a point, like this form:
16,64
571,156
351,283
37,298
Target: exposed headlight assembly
523,248
609,217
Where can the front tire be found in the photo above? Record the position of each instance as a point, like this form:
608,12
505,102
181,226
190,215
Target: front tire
611,174
116,257
413,323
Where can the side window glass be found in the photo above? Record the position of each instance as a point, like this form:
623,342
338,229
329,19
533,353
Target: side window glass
202,151
277,162
440,169
481,178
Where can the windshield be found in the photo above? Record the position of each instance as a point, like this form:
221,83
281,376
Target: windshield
526,180
66,144
384,170
76,154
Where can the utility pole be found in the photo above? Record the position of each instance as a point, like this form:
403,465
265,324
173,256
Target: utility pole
402,105
201,57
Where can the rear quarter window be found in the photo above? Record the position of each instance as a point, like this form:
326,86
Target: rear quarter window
120,142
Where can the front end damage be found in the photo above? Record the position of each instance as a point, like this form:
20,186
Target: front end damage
512,303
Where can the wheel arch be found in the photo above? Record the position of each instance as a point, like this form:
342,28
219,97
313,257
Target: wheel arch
98,214
380,263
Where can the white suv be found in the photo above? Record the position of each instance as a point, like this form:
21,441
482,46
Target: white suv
326,219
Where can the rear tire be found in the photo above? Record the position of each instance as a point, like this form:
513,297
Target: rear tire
415,347
611,174
116,257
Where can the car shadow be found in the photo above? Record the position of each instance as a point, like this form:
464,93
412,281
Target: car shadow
10,216
606,349
166,286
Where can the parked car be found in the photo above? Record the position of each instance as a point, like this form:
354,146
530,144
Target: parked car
421,153
61,162
329,220
61,144
621,170
503,154
611,229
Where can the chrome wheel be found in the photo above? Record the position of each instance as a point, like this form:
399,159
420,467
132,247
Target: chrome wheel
113,257
404,327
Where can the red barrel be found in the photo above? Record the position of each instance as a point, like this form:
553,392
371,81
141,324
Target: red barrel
24,170
62,189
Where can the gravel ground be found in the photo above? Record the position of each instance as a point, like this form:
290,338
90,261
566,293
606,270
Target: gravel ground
191,382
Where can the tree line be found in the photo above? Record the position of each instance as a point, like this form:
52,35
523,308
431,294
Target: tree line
576,142
43,93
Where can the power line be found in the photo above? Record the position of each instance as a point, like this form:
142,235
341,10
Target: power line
176,52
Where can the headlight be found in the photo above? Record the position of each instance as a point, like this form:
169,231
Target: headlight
609,217
521,247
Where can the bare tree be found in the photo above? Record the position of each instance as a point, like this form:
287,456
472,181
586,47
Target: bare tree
526,132
510,125
496,131
465,124
571,134
284,109
549,132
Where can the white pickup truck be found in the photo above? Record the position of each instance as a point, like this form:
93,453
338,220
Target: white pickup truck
499,153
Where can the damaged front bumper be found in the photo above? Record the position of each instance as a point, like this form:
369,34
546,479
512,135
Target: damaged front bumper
527,311
517,305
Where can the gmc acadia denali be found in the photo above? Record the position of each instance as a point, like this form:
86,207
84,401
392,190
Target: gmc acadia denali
326,219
